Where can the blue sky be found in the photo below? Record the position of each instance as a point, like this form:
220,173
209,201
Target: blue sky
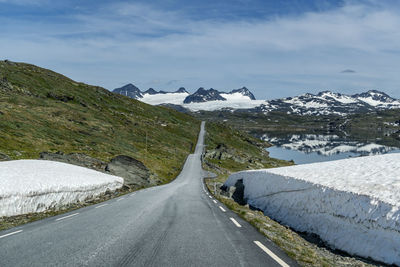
275,48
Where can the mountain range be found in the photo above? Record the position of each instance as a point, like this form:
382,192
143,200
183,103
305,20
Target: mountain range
323,103
200,96
328,103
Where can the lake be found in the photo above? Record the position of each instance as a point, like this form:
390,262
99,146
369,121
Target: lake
309,148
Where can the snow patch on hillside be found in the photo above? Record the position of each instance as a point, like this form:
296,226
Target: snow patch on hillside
352,204
36,185
235,97
233,100
338,97
239,103
157,99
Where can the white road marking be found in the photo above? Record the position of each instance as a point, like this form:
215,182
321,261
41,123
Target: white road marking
119,199
13,233
210,197
62,218
222,208
235,222
271,254
101,206
214,201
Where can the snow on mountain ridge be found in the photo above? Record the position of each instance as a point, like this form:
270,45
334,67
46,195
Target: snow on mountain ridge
203,95
323,103
202,99
170,98
326,102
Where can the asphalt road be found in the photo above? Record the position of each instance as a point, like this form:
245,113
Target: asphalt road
177,224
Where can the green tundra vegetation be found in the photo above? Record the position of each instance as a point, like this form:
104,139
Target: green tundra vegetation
41,110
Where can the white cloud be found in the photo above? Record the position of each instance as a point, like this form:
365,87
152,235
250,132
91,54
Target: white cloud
24,2
123,42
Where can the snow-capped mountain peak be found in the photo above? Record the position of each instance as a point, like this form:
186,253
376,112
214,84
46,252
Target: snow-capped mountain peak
181,90
203,95
244,91
150,91
322,103
327,102
129,90
375,98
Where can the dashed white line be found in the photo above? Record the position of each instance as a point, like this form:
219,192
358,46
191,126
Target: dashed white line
13,233
221,208
235,222
210,197
271,254
214,201
101,206
119,199
62,218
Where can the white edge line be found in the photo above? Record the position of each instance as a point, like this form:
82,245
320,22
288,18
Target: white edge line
62,218
101,206
271,254
214,201
221,208
119,199
13,233
235,222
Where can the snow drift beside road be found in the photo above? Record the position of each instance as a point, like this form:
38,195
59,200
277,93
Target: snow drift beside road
352,204
36,185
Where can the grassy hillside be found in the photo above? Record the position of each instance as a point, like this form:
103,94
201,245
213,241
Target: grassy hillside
41,110
229,150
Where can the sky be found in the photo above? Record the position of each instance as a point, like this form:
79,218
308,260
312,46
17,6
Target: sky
274,48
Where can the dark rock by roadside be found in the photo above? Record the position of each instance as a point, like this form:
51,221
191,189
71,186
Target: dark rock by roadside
222,152
4,157
133,171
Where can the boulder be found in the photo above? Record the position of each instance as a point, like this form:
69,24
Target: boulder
4,157
133,171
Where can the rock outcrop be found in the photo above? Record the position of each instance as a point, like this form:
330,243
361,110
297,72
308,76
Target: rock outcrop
134,172
4,157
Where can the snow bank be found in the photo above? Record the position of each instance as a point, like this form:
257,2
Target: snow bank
36,185
352,204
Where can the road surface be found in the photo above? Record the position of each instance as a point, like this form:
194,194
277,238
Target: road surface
178,224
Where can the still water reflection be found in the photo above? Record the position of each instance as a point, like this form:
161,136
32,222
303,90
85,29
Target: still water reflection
308,148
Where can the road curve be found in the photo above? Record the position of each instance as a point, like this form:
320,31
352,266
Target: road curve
177,224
